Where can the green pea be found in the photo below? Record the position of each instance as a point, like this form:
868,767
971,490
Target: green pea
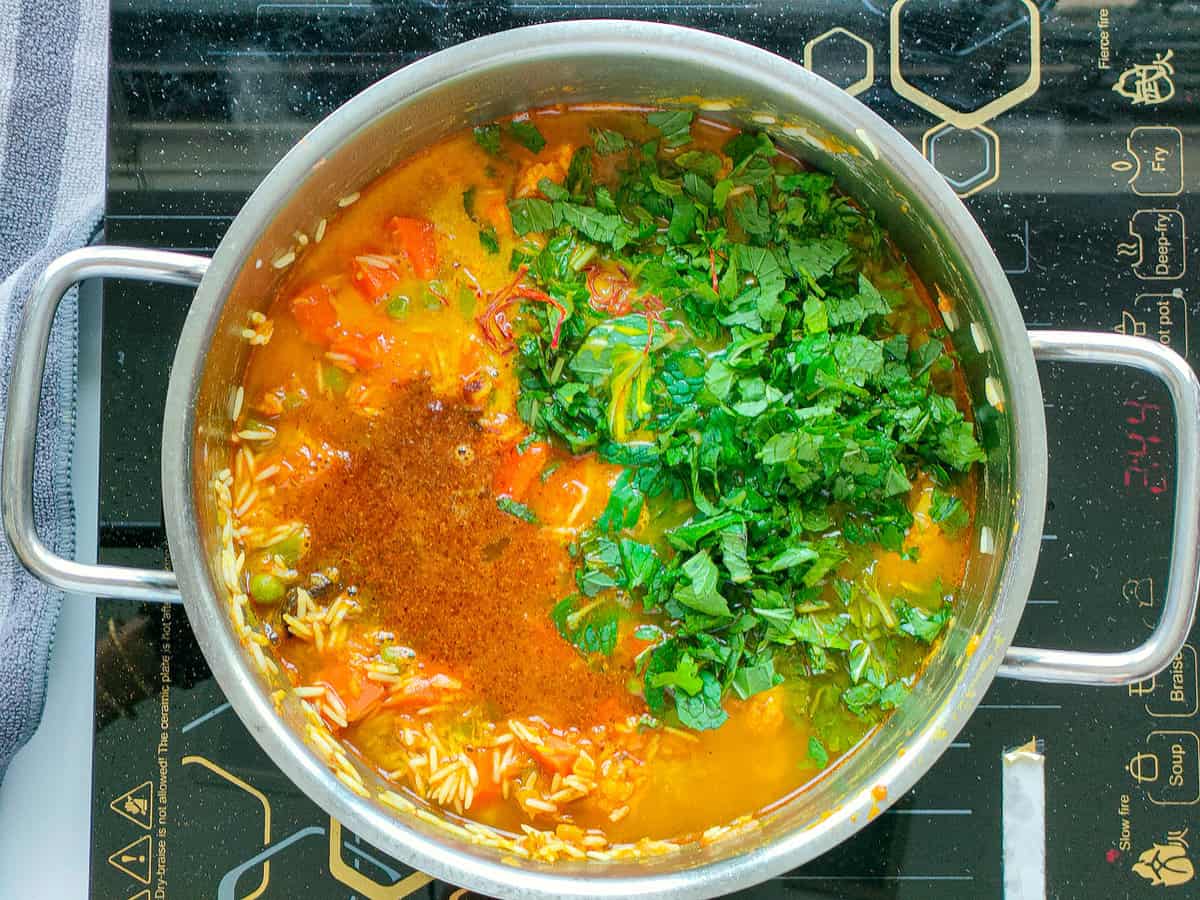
335,379
466,302
266,588
434,292
290,548
397,307
397,654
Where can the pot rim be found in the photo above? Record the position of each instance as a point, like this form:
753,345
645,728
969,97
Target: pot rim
208,617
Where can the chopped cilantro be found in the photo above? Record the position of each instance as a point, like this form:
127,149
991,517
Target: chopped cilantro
921,625
488,137
675,125
488,240
758,379
515,508
527,135
949,512
591,626
608,142
817,752
531,214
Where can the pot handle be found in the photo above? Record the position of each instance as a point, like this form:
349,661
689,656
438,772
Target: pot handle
1183,580
24,396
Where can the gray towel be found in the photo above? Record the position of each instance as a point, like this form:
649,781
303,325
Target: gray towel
53,82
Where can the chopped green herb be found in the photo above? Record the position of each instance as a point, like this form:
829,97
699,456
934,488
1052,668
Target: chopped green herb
527,135
466,301
488,137
757,379
488,239
608,142
590,625
292,547
531,214
515,508
675,125
949,512
919,624
817,752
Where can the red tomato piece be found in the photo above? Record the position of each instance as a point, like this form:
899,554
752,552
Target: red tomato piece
314,313
422,691
554,754
358,694
417,240
367,350
518,470
488,789
373,279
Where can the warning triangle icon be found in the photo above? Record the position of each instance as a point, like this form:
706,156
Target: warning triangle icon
136,804
143,894
134,859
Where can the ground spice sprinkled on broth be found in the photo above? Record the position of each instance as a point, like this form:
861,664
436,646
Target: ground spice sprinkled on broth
602,476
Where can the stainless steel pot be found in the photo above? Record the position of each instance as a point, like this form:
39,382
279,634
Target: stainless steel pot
640,63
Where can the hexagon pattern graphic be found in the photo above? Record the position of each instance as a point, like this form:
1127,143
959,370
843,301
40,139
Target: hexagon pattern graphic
837,55
987,110
969,159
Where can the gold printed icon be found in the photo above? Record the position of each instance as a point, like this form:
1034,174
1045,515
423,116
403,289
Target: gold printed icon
1130,325
135,804
1148,84
1155,159
1157,245
1167,865
1159,316
1143,767
1142,688
134,859
143,894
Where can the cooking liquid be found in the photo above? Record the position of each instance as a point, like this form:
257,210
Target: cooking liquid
394,472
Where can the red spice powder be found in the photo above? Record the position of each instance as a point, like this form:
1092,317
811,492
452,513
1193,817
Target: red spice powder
416,528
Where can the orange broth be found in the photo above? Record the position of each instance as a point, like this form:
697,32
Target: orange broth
377,432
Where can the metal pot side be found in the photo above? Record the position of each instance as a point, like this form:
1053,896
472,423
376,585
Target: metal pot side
640,63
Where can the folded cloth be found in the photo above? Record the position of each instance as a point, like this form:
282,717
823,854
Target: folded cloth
53,81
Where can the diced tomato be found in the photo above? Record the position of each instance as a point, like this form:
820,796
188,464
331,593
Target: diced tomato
366,701
367,350
492,205
422,691
488,788
314,313
629,645
416,239
373,281
554,168
518,470
553,753
306,461
359,694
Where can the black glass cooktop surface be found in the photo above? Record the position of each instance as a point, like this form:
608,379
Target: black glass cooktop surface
1071,131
